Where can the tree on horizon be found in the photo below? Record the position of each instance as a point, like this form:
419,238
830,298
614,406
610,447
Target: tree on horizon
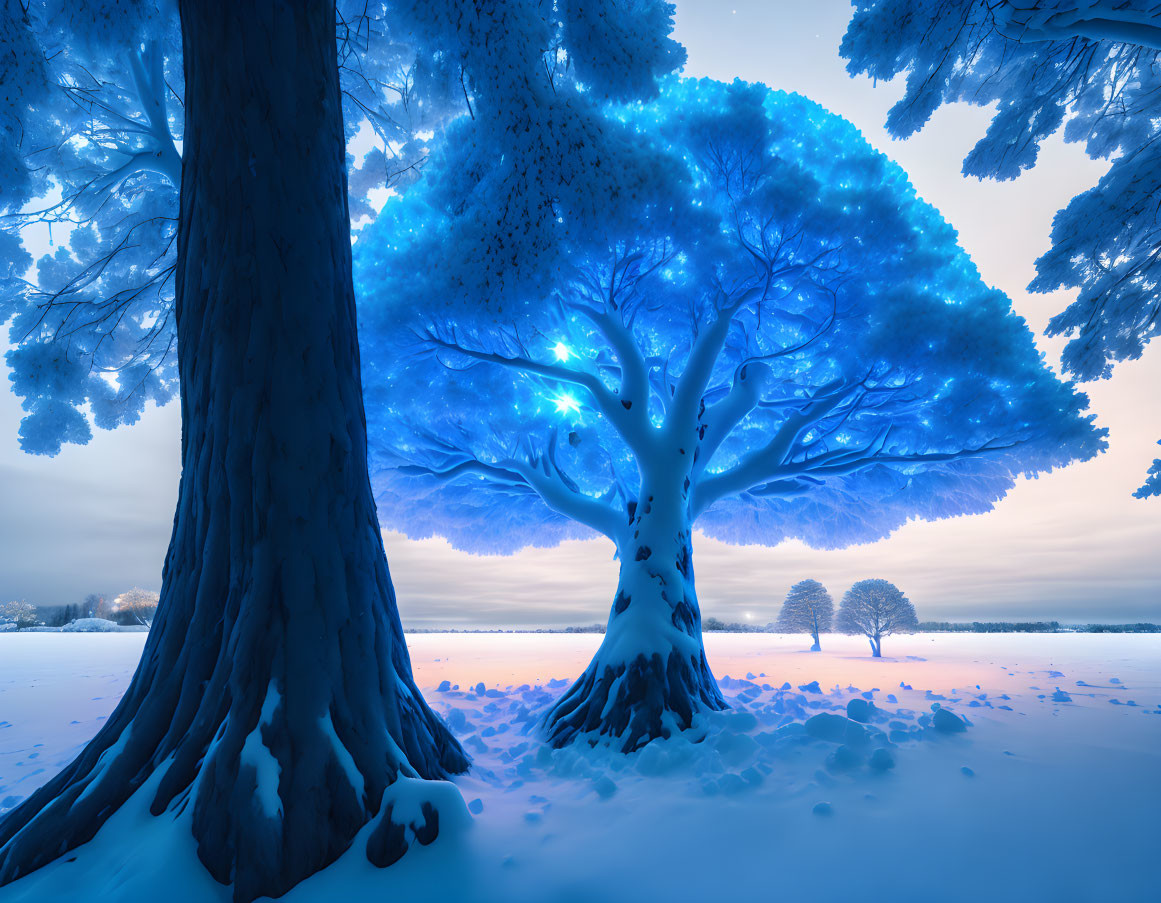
808,608
875,608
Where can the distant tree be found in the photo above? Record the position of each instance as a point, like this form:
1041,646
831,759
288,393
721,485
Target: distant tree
989,627
808,609
876,608
22,614
753,324
1141,627
1091,68
139,604
61,615
93,606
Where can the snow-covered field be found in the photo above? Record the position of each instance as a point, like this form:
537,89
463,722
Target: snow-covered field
1052,794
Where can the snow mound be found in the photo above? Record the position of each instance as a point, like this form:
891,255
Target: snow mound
771,741
90,625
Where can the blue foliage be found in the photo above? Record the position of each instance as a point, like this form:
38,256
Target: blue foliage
618,49
1152,485
96,135
91,126
757,302
1090,69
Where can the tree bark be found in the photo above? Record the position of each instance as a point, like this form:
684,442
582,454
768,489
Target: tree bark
274,695
650,675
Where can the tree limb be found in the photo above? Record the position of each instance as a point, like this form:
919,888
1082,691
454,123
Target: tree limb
630,427
545,481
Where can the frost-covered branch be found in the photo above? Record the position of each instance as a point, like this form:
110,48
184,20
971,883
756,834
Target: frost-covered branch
628,425
839,463
707,347
710,342
720,418
149,78
792,478
762,464
634,389
1092,20
541,476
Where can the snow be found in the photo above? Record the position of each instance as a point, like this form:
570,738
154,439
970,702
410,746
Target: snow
343,755
256,755
1041,797
90,625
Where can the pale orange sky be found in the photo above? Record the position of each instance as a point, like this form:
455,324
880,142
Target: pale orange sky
1074,545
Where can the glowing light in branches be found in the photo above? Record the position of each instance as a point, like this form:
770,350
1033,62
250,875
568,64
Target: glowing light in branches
561,351
565,404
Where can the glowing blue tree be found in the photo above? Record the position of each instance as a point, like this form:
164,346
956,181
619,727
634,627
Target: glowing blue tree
1089,68
764,332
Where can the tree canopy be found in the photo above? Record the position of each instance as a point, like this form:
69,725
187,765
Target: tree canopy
767,292
1088,69
22,614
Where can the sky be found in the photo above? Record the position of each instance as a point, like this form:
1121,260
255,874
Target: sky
1072,546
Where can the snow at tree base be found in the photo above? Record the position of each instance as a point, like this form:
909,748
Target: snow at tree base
766,334
1088,68
1049,793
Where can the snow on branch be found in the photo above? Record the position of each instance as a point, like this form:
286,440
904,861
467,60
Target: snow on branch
630,426
1092,20
543,476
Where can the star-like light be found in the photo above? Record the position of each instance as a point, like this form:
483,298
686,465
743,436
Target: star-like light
561,351
565,403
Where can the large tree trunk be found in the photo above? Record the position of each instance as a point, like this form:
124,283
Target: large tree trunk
275,694
649,676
